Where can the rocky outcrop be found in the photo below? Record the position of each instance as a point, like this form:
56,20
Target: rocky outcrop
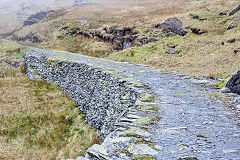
35,18
120,38
172,25
234,83
31,37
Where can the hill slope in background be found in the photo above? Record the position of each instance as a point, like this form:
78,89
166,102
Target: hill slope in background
132,30
14,12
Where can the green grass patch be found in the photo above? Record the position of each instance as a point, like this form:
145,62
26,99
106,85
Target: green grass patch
37,118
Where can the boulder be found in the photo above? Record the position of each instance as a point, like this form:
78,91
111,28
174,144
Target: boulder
234,11
234,83
173,25
121,38
172,51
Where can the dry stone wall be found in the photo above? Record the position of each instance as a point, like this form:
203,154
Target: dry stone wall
119,107
101,97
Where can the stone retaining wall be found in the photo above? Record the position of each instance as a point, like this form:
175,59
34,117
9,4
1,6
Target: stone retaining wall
101,97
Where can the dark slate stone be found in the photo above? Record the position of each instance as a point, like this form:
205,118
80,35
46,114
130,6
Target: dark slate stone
232,40
174,25
16,65
234,83
198,31
234,11
35,18
235,51
231,26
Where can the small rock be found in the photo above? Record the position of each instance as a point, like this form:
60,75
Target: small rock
105,55
231,40
230,151
142,149
231,26
200,81
173,25
222,14
172,51
97,151
158,147
198,17
198,31
188,158
235,51
236,99
186,77
238,106
121,140
211,122
16,65
225,90
142,133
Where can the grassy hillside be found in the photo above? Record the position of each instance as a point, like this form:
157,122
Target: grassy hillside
37,120
210,53
14,12
214,52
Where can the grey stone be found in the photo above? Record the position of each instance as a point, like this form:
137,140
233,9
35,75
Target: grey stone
143,133
97,151
158,147
172,51
173,25
200,81
238,107
231,26
142,149
225,90
132,116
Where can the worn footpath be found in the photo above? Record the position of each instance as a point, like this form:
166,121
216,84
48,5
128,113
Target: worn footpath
175,117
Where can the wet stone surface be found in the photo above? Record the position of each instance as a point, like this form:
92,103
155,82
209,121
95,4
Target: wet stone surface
183,118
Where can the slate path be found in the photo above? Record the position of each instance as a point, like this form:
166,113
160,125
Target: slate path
195,122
